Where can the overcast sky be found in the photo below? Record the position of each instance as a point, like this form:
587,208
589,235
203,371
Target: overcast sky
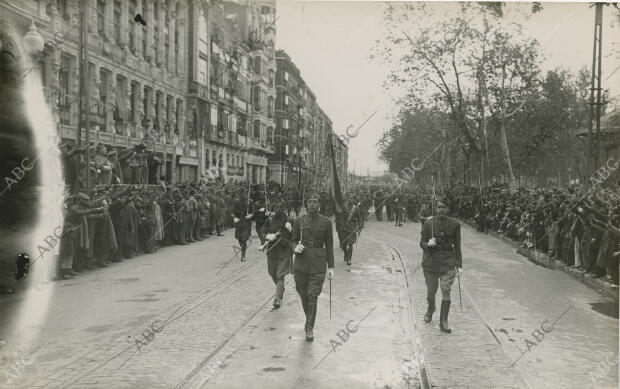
330,43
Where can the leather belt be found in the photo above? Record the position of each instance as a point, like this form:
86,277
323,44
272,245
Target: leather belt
318,245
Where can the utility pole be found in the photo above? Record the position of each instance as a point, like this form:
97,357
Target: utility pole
84,94
595,107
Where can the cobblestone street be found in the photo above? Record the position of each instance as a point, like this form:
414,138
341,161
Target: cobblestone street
211,324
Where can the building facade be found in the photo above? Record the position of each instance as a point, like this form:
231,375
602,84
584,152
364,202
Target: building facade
137,73
230,87
302,130
199,83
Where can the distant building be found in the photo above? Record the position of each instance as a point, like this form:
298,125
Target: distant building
302,129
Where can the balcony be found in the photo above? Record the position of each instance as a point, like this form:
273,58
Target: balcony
240,104
113,139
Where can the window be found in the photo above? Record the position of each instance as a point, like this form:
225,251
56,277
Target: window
285,99
233,122
202,33
132,25
117,21
202,70
265,14
270,106
285,75
214,116
166,38
270,135
132,101
156,31
285,124
64,98
257,98
256,132
258,68
61,6
101,16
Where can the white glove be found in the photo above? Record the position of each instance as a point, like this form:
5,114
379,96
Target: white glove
236,220
330,273
271,237
288,226
432,242
267,213
262,210
459,271
299,249
248,217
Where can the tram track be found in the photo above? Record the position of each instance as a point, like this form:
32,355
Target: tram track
117,346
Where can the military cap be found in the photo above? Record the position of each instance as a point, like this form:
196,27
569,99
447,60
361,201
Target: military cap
313,195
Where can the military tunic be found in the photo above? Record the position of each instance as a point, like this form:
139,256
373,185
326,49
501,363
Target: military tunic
447,254
279,250
315,233
317,238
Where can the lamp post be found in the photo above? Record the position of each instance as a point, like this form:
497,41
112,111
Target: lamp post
33,41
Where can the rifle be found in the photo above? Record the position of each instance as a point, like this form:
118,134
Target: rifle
248,206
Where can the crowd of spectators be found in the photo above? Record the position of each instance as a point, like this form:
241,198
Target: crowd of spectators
577,226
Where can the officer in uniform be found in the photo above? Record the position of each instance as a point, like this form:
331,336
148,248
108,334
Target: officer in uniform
277,230
442,261
314,249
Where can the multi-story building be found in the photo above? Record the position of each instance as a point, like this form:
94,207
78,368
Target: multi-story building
302,130
230,87
137,72
197,82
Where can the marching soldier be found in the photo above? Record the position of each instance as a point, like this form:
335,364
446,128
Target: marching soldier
351,228
398,210
260,217
243,223
277,231
313,236
389,207
442,261
378,202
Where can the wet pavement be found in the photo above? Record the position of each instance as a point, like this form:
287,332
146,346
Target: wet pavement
195,317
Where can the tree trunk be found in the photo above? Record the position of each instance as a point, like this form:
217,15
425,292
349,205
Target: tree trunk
502,134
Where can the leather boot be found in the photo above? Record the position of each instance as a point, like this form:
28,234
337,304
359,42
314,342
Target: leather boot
429,310
279,293
310,316
443,316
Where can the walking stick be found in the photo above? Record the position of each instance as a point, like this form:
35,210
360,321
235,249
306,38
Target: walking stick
459,280
458,276
330,299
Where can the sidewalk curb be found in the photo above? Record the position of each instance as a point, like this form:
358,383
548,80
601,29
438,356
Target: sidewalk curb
607,289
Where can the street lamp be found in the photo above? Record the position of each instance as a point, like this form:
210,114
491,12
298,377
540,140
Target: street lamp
33,41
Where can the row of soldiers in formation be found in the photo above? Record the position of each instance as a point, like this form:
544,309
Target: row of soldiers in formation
119,222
